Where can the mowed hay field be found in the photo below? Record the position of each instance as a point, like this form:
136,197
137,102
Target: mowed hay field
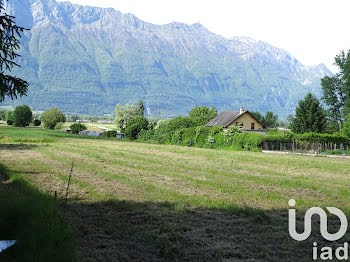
144,202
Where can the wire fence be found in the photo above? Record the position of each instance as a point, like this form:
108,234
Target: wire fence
304,147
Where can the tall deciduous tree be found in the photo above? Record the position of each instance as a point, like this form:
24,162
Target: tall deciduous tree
346,126
22,116
257,115
309,116
123,114
270,120
2,114
336,89
52,117
143,121
77,127
10,118
10,34
201,115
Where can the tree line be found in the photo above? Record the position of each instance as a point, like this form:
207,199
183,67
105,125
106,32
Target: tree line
311,116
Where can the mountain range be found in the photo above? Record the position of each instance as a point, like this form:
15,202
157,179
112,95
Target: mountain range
85,60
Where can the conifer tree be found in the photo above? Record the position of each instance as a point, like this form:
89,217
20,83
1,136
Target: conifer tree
141,108
309,116
10,34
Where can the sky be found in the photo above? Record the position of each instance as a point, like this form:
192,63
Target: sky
313,31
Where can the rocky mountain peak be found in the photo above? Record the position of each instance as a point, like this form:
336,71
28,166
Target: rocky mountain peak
93,58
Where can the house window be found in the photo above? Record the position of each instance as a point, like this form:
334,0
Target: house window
252,126
239,124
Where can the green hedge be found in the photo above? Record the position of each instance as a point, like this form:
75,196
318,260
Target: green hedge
289,137
233,139
132,131
247,141
189,136
110,133
146,135
337,138
209,138
162,135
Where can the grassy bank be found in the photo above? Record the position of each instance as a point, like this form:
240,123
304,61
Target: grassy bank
171,203
27,216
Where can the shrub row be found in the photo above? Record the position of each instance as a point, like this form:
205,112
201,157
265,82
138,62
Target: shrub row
289,137
204,137
233,138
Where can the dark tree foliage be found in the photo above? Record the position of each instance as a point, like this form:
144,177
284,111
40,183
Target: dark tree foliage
309,116
346,126
36,122
77,127
110,133
132,131
270,120
258,116
178,123
200,115
51,117
2,114
10,117
141,108
10,34
139,120
336,89
22,116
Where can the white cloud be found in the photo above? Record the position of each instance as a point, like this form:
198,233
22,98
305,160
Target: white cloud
314,31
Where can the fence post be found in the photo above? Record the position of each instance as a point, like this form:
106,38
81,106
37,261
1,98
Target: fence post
54,204
68,184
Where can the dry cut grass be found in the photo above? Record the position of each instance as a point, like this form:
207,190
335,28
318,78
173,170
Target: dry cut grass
143,202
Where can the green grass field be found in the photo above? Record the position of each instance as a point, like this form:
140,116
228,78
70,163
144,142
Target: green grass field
133,201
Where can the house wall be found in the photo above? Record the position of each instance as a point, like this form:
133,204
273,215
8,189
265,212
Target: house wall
247,120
